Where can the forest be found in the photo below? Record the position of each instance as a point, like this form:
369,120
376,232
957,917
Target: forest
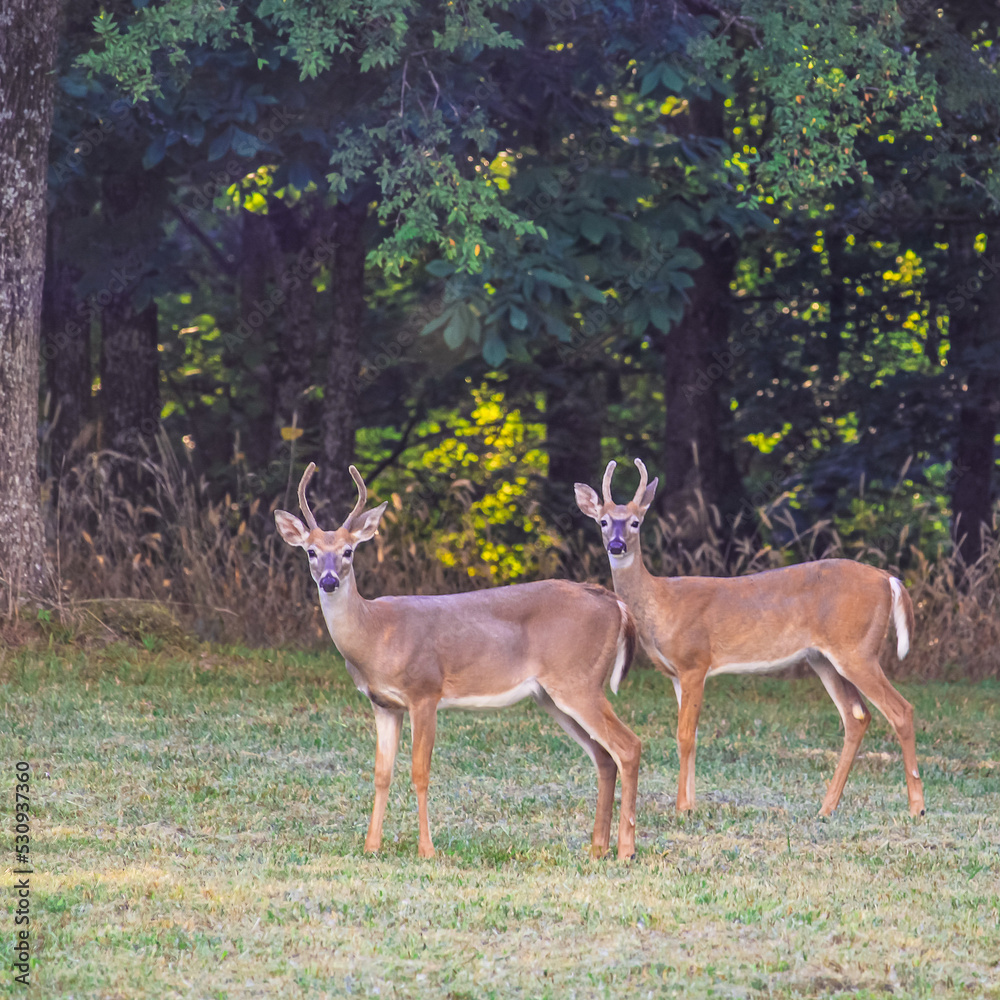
479,249
451,260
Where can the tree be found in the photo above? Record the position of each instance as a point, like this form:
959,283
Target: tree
876,350
395,124
28,38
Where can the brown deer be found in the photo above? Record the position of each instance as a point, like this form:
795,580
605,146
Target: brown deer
555,641
832,613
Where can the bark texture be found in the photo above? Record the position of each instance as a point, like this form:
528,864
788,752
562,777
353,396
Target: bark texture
696,370
28,37
338,423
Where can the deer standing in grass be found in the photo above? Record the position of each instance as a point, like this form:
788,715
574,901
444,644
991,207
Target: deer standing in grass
556,641
832,613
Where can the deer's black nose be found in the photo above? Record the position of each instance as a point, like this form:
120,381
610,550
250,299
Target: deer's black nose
329,582
617,548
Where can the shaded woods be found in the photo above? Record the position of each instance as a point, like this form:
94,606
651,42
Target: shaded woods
483,265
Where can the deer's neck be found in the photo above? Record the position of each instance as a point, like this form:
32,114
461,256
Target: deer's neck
631,578
348,620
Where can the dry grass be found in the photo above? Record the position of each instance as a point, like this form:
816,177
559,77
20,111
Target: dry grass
223,572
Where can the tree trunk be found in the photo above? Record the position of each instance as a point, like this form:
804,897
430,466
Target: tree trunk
338,422
574,421
697,462
29,31
970,325
66,350
130,377
696,370
258,254
299,234
129,400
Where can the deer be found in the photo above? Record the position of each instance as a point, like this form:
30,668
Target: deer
555,641
832,613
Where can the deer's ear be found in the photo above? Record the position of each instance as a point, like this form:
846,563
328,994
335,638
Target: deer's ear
647,497
587,500
291,528
366,524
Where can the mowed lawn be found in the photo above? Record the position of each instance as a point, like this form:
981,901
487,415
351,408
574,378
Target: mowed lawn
199,820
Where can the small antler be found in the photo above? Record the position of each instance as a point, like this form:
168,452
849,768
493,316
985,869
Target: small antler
643,479
606,484
303,502
362,496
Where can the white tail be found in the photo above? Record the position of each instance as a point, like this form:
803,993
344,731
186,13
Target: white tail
833,613
555,641
902,616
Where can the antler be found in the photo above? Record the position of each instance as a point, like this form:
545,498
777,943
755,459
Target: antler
303,502
606,484
362,496
643,478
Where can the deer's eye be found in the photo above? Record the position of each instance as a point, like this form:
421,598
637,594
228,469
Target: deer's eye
635,524
348,553
604,524
311,553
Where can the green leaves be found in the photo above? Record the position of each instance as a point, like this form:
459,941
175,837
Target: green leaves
457,323
827,89
662,75
596,227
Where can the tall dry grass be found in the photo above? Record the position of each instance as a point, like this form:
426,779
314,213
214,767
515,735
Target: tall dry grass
227,576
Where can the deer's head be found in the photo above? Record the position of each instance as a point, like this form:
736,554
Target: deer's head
619,523
330,552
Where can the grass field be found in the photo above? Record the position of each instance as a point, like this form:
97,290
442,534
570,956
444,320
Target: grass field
198,824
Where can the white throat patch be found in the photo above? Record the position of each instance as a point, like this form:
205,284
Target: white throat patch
621,562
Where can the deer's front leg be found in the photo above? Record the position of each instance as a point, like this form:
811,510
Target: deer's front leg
692,694
388,723
423,722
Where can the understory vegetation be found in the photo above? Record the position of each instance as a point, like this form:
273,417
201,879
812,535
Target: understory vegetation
217,570
199,819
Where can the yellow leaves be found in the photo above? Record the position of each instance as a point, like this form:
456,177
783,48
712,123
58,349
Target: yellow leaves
292,433
673,106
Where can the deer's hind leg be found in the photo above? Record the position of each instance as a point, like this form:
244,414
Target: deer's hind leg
865,673
607,772
594,715
855,716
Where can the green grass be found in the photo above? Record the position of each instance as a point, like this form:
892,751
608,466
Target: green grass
198,826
